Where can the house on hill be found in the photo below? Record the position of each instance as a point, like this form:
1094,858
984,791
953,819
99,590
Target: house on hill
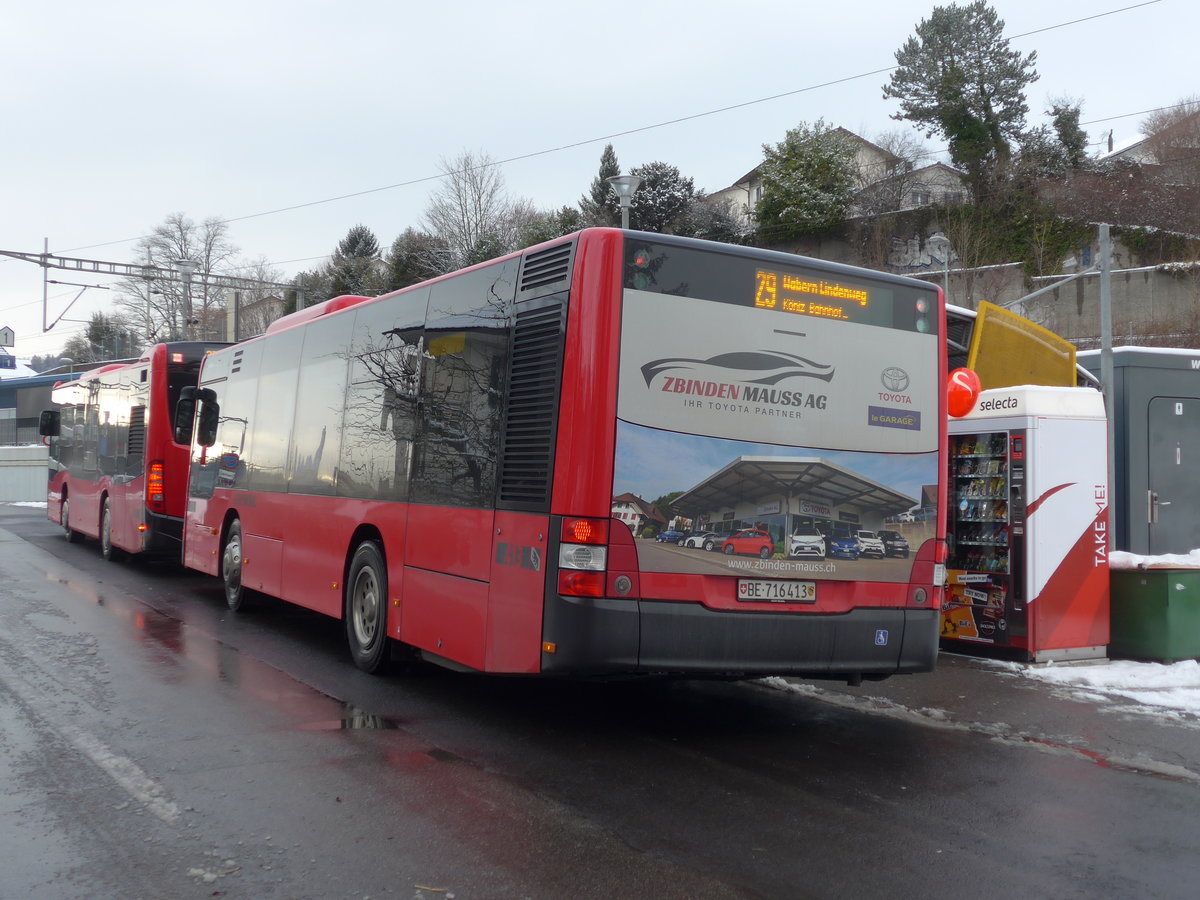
885,183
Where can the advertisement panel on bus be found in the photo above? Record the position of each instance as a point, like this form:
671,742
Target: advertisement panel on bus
783,429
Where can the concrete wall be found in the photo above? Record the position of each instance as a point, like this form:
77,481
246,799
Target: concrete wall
1163,301
23,473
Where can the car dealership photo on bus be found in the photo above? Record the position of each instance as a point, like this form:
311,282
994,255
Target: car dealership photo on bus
438,466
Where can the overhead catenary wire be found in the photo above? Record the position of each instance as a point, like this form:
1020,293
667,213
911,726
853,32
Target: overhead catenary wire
615,135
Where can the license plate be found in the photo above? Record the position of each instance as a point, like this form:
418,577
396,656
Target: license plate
751,590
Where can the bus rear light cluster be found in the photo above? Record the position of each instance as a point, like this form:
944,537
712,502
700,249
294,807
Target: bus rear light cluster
583,557
155,494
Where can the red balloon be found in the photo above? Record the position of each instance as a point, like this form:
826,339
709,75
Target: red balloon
962,390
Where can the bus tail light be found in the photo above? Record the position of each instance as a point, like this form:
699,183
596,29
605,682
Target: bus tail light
584,531
580,584
583,557
155,495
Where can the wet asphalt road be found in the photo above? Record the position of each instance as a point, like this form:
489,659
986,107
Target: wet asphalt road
154,745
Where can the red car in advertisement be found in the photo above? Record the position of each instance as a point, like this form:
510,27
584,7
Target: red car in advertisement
750,541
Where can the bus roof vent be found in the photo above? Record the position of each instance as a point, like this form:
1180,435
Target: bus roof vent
545,271
527,455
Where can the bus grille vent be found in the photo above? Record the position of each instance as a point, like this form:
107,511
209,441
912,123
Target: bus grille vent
545,271
527,457
137,431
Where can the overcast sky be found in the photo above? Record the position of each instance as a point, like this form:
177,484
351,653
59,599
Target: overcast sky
115,115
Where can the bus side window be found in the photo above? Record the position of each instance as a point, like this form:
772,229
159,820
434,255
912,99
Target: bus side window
468,340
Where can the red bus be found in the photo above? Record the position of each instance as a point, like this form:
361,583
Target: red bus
473,470
116,472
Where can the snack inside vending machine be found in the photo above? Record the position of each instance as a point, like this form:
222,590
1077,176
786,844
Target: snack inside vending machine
1028,525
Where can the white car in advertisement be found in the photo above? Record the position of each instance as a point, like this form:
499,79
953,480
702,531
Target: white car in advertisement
807,544
870,544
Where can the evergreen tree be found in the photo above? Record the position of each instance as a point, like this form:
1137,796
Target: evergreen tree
808,181
354,267
105,338
547,226
596,205
662,202
414,257
314,285
1064,117
957,78
1058,149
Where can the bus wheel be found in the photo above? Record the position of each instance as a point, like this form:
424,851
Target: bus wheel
366,609
237,596
107,550
64,519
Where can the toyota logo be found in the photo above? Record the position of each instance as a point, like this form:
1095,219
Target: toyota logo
894,379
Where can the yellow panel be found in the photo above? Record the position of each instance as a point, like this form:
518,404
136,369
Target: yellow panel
1007,349
447,344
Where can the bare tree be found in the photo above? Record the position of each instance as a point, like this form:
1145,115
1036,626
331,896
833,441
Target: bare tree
886,191
1173,137
259,305
169,309
471,214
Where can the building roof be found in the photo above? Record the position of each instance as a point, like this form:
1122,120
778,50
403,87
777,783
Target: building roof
811,477
646,508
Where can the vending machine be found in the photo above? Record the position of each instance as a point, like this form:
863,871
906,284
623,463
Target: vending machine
1028,525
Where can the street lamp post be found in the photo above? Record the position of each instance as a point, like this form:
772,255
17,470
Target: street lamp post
624,186
185,268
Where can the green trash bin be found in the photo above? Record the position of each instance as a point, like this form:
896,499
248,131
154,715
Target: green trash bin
1155,614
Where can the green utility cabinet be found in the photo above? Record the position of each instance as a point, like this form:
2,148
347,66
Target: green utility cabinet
1155,614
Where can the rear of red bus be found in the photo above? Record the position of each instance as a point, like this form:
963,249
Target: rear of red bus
771,408
116,472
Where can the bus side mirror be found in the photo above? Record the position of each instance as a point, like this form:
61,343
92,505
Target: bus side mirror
50,423
210,414
185,409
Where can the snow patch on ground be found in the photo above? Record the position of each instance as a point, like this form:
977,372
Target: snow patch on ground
1172,691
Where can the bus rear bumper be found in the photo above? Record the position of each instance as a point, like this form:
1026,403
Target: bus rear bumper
608,636
164,536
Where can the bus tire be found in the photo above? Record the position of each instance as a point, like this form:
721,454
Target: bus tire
64,519
107,550
366,609
238,597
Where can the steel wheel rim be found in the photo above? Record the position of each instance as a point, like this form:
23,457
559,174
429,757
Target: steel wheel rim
365,608
231,566
106,532
65,518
